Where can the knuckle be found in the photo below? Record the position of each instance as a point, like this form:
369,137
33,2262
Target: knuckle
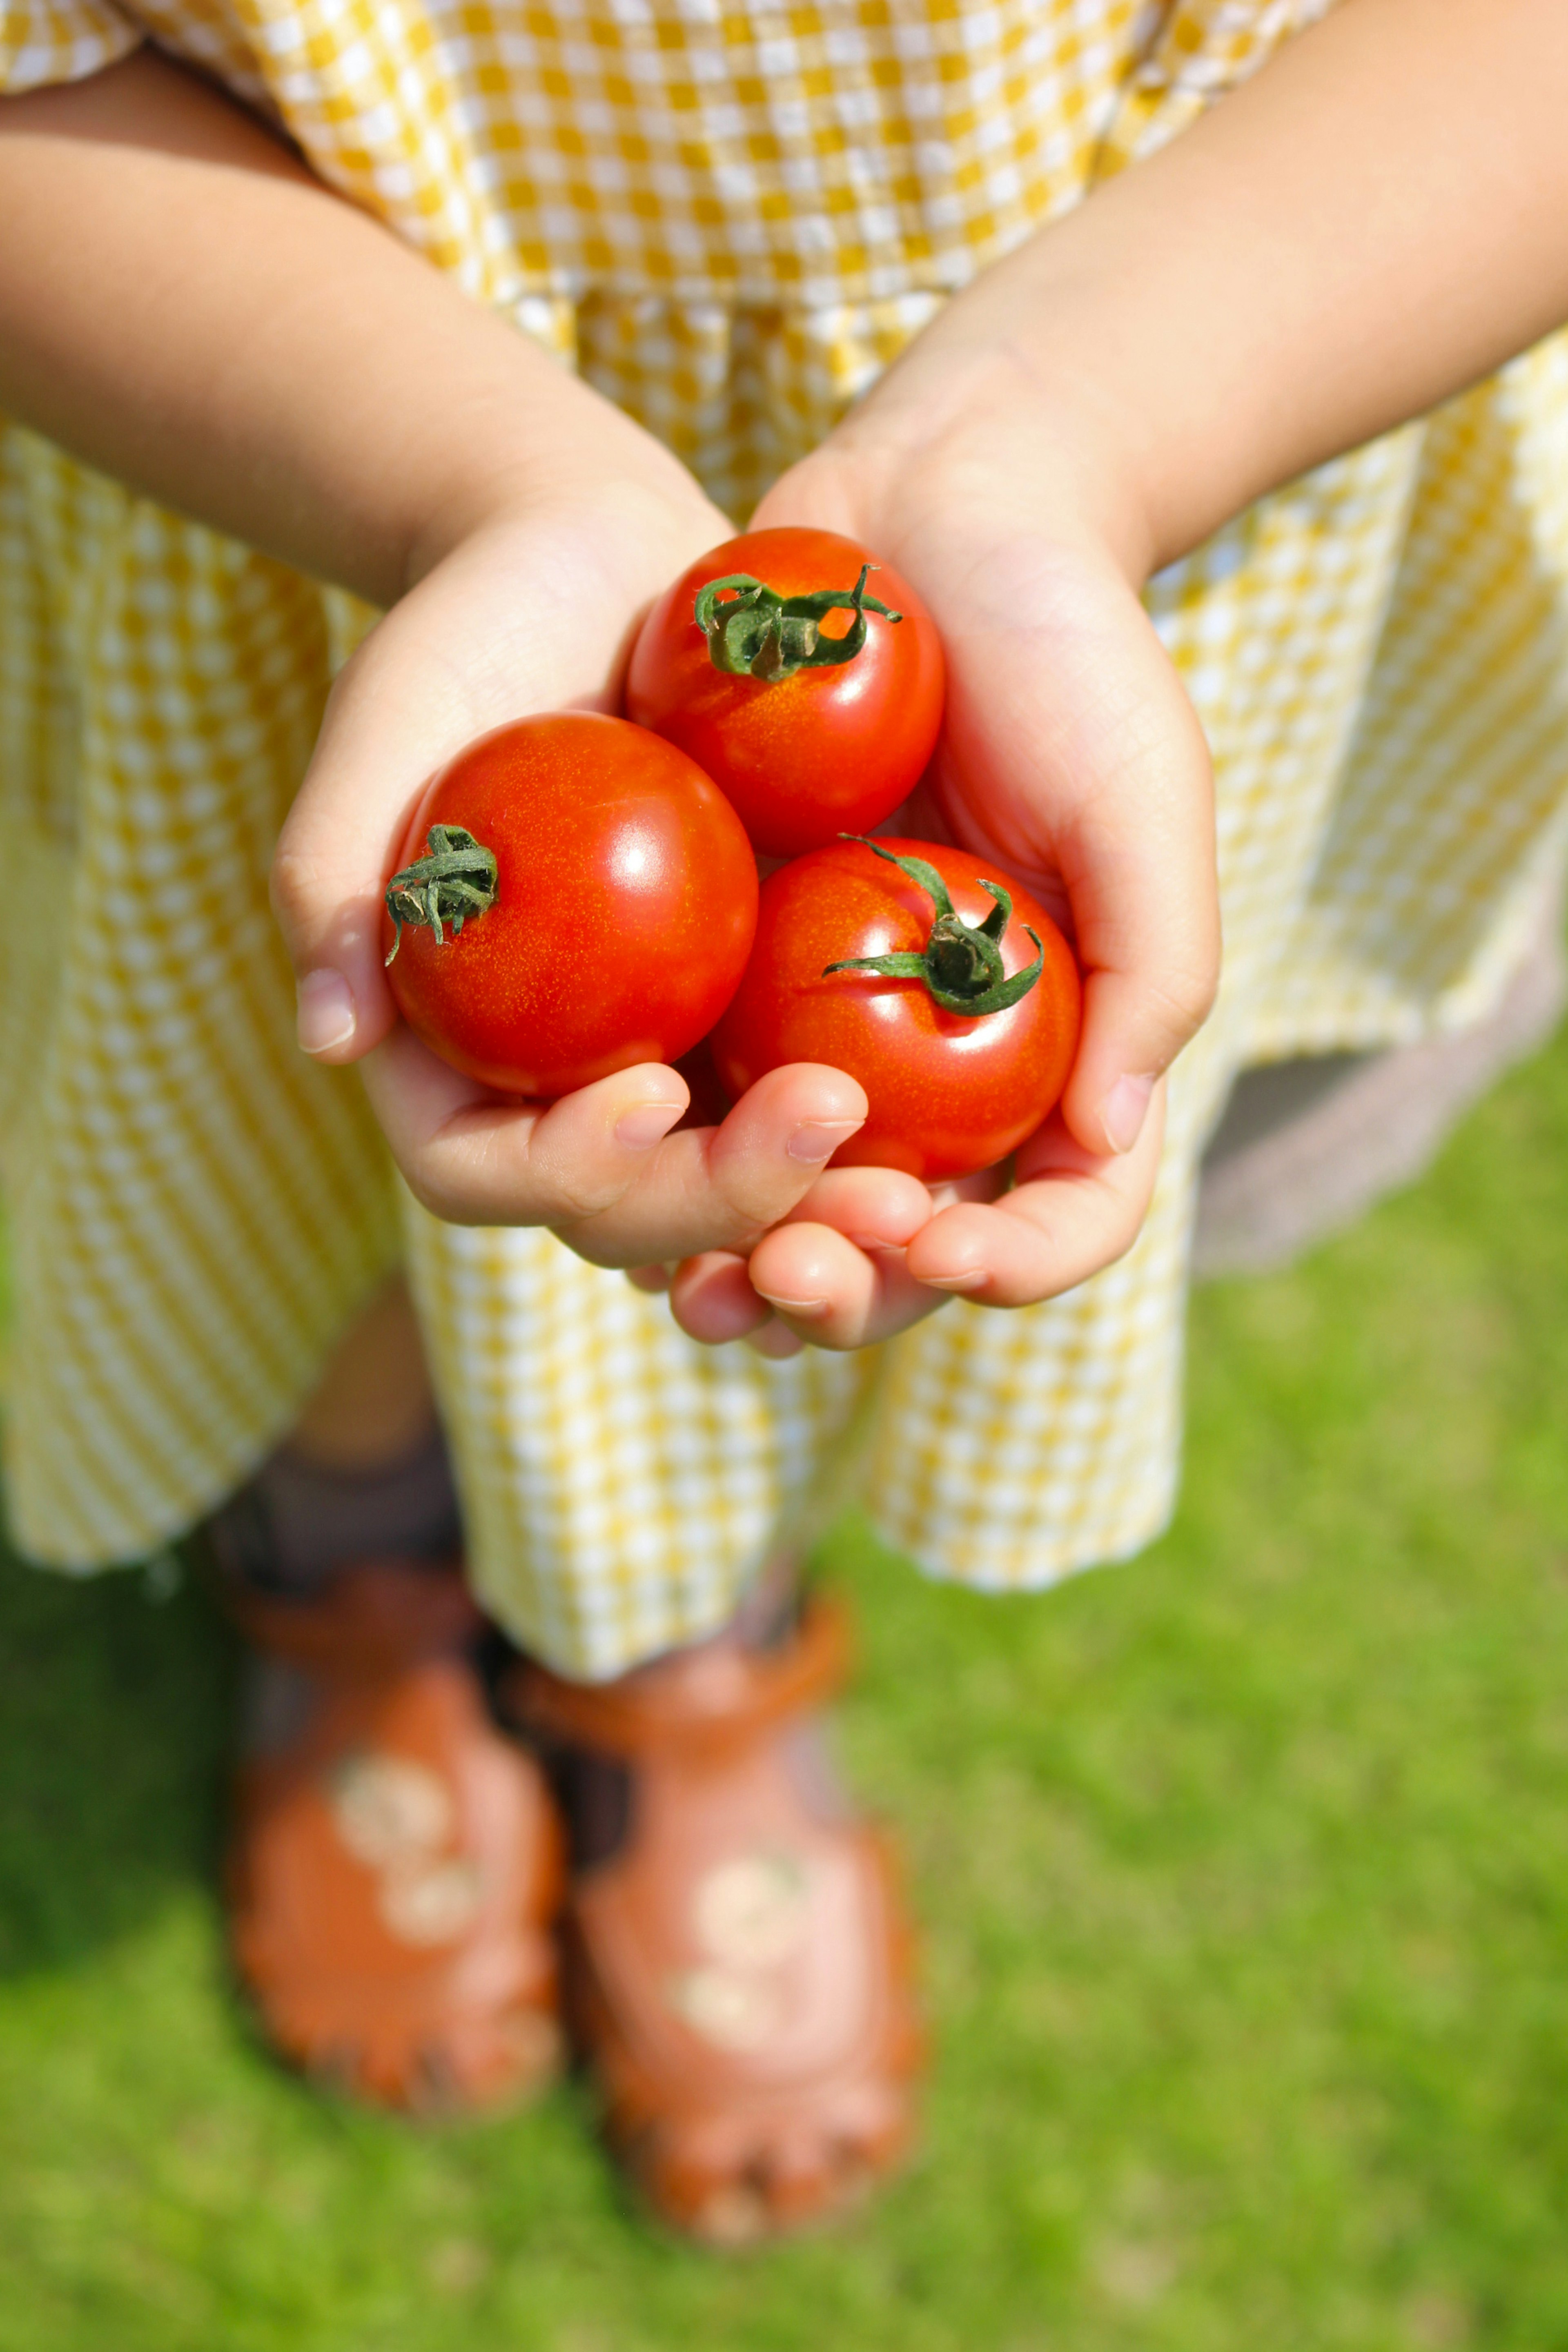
436,1199
291,883
1120,1222
563,1192
455,1190
599,1250
1120,1238
740,1223
748,1199
1186,996
574,1201
578,1240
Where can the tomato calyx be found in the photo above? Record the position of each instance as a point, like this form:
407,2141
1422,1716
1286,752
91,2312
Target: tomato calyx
961,962
753,631
454,883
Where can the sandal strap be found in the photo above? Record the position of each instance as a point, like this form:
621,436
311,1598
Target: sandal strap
372,1616
715,1694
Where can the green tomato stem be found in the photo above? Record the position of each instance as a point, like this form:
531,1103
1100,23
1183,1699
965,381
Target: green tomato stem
753,631
961,962
453,884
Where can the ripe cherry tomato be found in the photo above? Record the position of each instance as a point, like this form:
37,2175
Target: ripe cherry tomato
949,1091
815,717
576,897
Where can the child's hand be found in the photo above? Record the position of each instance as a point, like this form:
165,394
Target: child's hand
1095,404
529,609
195,313
1070,755
868,1251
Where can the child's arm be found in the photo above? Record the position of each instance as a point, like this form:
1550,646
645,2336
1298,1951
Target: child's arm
183,304
1377,218
186,306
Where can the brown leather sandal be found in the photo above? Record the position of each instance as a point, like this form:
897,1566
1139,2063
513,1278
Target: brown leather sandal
738,1970
396,1863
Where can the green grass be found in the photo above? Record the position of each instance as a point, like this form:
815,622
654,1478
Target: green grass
1244,1871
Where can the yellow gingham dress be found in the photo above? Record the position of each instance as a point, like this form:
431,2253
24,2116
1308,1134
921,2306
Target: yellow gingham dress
729,214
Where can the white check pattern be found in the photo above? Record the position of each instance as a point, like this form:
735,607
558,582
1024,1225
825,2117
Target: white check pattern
731,215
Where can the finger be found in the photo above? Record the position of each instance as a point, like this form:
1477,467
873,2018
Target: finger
593,1167
774,1342
654,1279
472,1157
711,1298
879,1208
402,707
388,726
515,619
1072,1214
721,1188
825,1289
1072,752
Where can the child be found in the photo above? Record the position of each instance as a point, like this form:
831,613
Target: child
733,220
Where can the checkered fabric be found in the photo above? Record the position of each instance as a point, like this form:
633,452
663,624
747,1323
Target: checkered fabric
730,214
45,41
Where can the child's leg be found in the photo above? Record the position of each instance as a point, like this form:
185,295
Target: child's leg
395,1861
736,1951
737,1955
738,1964
373,1403
363,1474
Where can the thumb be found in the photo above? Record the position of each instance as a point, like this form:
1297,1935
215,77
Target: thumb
513,621
389,724
1138,867
1071,748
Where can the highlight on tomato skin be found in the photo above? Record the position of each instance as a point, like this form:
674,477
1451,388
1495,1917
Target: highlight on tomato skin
803,745
622,905
949,1092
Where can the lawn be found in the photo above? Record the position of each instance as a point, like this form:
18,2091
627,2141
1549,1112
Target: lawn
1244,1871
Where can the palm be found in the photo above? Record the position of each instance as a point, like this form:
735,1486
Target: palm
532,612
1070,755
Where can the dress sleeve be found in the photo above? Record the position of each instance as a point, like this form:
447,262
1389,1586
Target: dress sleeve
44,41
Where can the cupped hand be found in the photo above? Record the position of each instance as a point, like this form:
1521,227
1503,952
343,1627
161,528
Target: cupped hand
868,1251
530,609
1071,756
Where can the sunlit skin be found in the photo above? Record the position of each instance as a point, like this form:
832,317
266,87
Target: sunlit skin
1090,407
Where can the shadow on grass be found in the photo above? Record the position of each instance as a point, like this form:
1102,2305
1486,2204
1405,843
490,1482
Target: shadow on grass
1243,1873
114,1710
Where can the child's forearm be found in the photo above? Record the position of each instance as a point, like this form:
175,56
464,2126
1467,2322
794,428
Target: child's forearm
184,306
1375,220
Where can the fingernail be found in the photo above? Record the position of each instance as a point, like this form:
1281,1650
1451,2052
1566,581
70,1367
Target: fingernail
326,1012
1124,1110
793,1305
648,1124
819,1143
970,1281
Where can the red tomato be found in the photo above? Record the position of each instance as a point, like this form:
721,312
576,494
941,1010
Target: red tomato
625,897
807,752
949,1092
